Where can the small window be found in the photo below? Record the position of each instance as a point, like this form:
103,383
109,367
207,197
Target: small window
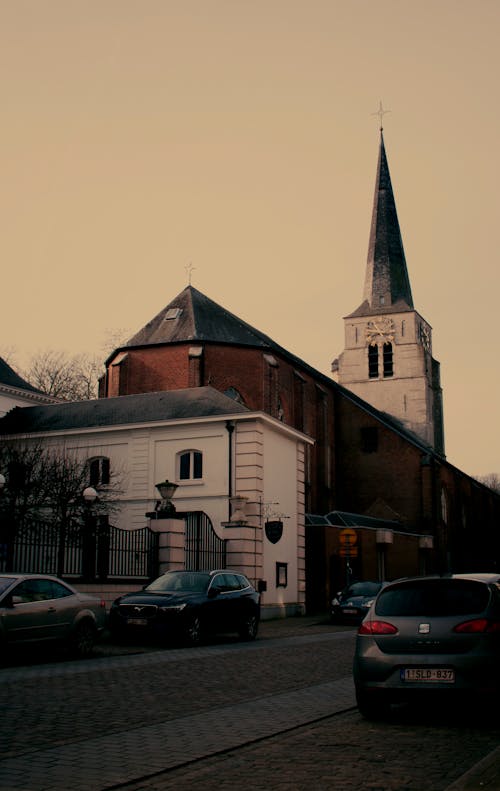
281,575
99,471
173,313
373,361
190,465
369,439
388,362
233,393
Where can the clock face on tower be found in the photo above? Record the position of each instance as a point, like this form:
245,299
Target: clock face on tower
380,330
425,337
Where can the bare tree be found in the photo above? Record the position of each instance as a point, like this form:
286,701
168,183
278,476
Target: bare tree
73,378
114,338
48,483
492,481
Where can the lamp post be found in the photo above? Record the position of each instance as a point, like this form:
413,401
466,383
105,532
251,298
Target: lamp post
3,544
89,496
165,507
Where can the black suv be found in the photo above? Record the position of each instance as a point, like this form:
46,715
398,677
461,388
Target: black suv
189,605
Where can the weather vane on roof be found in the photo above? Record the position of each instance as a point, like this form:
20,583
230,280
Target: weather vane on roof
381,112
189,271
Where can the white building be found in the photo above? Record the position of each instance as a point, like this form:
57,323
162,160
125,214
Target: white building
15,391
213,448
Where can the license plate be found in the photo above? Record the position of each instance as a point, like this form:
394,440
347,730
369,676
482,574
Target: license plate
137,621
436,675
349,611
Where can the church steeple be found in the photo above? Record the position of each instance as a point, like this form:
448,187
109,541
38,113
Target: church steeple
387,358
387,285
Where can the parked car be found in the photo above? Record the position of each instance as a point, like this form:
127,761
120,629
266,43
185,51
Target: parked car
429,636
351,604
189,605
38,608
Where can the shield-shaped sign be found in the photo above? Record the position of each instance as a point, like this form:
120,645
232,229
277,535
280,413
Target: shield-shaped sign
274,530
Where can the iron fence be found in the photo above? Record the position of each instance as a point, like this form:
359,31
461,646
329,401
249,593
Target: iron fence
95,551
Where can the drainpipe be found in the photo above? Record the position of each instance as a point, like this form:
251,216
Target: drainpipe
230,429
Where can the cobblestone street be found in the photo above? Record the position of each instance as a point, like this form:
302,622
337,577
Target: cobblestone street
277,714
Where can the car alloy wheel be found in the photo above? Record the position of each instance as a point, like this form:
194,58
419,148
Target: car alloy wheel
249,628
193,631
83,640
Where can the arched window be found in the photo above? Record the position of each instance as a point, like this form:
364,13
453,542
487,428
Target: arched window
99,471
444,506
233,393
373,361
388,363
190,465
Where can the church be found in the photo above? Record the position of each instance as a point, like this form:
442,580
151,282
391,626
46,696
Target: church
378,498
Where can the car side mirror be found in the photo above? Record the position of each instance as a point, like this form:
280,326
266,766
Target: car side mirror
10,600
213,592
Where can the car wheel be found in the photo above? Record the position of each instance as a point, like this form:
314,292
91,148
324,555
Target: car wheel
372,705
193,631
249,627
83,639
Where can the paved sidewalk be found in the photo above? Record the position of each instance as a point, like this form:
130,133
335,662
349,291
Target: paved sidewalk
484,775
91,764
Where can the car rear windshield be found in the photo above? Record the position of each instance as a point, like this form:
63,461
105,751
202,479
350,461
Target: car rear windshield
433,598
363,589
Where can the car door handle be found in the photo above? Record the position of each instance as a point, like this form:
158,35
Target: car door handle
52,609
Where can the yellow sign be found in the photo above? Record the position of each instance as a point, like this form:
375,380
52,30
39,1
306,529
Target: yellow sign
348,552
348,537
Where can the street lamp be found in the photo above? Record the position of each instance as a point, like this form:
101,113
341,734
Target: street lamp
89,494
167,491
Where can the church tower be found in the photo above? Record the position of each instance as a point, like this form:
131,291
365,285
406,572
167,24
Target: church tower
387,359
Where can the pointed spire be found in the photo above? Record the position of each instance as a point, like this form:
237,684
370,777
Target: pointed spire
387,282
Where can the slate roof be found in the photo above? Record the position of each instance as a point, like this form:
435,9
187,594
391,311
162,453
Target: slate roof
192,316
386,270
9,378
123,410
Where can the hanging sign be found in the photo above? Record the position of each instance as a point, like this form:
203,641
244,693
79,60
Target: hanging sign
274,530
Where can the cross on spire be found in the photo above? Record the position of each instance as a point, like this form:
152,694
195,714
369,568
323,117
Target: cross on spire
189,271
381,112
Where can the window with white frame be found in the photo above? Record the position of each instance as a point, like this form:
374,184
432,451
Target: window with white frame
99,471
190,465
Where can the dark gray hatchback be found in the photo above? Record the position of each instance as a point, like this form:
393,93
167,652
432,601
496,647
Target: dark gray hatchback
429,635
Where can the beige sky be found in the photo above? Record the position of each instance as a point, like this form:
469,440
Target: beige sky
141,135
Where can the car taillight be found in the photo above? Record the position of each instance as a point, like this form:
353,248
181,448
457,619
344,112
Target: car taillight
377,627
102,604
478,626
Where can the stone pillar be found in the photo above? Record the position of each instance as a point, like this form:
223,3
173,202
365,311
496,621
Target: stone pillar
244,549
172,541
244,546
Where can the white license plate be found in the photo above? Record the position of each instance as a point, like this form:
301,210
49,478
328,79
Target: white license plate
137,621
349,611
436,675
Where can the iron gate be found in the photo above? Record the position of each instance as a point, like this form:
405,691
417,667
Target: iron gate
204,548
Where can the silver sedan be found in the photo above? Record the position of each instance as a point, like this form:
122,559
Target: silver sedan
37,609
